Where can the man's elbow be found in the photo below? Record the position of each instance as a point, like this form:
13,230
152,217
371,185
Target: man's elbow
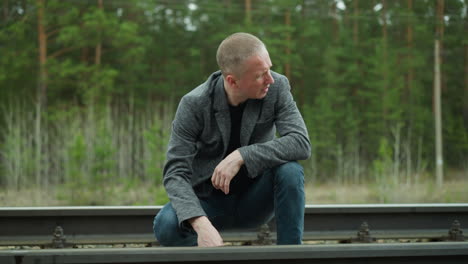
308,151
305,149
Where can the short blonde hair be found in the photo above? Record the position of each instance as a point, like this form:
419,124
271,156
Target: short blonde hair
235,49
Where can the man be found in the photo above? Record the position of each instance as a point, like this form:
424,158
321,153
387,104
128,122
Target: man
225,168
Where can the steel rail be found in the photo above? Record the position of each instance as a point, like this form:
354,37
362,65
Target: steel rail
133,224
427,253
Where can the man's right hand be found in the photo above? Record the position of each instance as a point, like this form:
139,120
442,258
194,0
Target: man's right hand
208,236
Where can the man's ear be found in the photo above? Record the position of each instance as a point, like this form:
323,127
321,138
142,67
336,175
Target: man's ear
231,80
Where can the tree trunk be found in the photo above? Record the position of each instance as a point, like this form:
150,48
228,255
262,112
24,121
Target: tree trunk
336,26
287,65
385,56
5,10
41,89
84,55
438,114
355,23
301,43
409,45
42,38
384,34
356,44
440,35
465,101
407,97
98,53
248,9
438,84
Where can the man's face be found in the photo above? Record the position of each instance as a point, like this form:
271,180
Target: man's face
256,80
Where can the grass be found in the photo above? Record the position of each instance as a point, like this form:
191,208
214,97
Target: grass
141,194
452,191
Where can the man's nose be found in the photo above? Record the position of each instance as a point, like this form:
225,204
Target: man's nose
270,79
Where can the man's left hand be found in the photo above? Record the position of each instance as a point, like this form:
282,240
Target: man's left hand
226,170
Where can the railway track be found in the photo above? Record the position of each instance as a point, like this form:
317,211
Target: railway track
427,253
70,226
66,227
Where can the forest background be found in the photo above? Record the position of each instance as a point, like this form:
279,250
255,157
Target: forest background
88,90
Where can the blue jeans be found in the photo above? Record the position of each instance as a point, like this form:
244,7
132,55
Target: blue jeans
278,192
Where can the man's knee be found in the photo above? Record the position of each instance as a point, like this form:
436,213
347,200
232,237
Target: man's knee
165,225
290,174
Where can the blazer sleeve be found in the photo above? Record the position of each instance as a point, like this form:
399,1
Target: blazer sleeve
182,149
293,142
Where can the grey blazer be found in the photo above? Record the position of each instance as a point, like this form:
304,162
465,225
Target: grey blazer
201,131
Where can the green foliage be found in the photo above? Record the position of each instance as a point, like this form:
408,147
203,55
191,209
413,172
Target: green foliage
18,151
102,168
76,169
156,140
366,98
382,165
161,197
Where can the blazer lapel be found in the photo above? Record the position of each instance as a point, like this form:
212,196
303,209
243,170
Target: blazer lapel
249,119
221,111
